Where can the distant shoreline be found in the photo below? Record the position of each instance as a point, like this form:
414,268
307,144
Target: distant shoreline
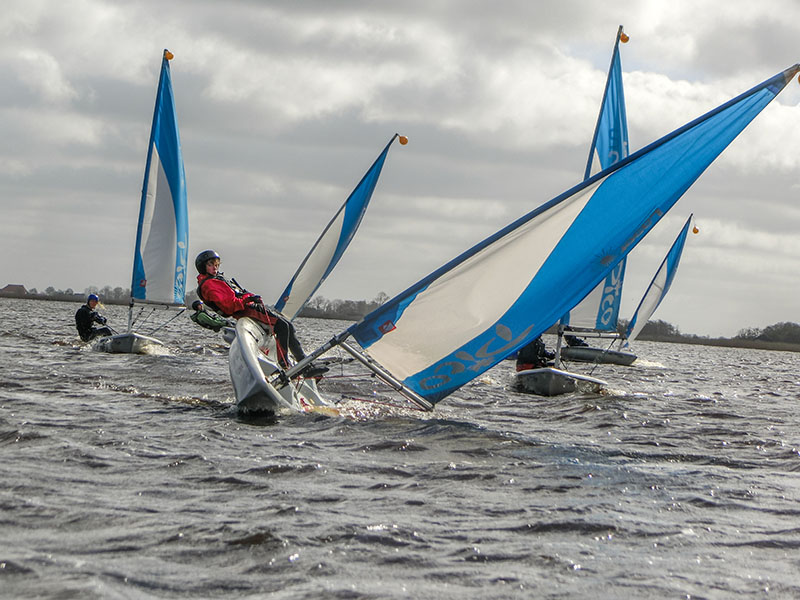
690,339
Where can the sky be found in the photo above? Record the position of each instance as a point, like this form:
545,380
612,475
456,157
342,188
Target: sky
283,106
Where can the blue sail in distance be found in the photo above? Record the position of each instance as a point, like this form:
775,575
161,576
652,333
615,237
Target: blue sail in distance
162,234
659,286
471,313
600,309
331,244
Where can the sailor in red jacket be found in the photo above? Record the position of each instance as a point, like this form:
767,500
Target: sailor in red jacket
230,300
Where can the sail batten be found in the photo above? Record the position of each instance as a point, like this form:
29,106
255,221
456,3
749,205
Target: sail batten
575,240
161,252
331,244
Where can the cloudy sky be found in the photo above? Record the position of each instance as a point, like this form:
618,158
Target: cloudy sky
282,107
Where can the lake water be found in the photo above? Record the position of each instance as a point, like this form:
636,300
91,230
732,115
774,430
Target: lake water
131,476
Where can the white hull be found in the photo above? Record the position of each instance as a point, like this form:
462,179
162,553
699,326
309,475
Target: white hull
549,381
257,379
597,355
126,343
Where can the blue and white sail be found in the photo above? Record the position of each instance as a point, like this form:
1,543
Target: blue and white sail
162,235
659,287
610,141
470,314
600,309
333,241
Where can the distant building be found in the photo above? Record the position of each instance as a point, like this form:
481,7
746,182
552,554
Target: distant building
14,290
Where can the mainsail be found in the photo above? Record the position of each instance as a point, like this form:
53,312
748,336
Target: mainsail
659,287
162,235
470,314
600,309
333,241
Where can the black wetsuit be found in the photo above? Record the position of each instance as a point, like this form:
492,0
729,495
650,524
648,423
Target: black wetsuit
83,322
534,355
573,341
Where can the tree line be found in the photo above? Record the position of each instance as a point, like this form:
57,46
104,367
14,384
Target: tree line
785,335
780,336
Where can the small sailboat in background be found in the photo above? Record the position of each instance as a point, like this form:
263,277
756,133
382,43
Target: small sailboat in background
468,315
162,236
252,354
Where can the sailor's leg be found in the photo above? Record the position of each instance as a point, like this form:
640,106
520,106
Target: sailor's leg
284,330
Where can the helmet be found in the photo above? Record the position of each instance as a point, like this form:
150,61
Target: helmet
197,304
202,259
92,297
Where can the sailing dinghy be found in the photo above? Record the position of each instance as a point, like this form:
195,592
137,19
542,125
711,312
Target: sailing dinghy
259,382
597,315
468,315
162,235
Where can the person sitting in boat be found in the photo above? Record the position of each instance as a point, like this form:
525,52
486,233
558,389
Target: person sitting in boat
87,316
534,356
206,319
572,340
229,299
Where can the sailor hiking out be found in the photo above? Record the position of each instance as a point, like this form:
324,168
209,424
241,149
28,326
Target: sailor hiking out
229,299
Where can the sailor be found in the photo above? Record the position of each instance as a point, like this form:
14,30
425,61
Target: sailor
573,341
206,319
534,356
229,299
87,315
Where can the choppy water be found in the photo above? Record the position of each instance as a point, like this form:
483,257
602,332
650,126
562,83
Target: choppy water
131,477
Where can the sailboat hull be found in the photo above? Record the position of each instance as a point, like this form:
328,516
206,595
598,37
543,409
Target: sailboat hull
256,376
549,381
127,343
597,355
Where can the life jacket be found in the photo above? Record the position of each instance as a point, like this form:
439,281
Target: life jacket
208,321
206,278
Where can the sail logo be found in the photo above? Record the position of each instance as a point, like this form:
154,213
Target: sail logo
611,292
446,372
387,327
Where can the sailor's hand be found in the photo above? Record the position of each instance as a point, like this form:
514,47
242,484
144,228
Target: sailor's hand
256,307
101,320
256,299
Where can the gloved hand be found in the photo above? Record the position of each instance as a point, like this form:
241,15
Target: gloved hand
101,320
256,307
256,299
